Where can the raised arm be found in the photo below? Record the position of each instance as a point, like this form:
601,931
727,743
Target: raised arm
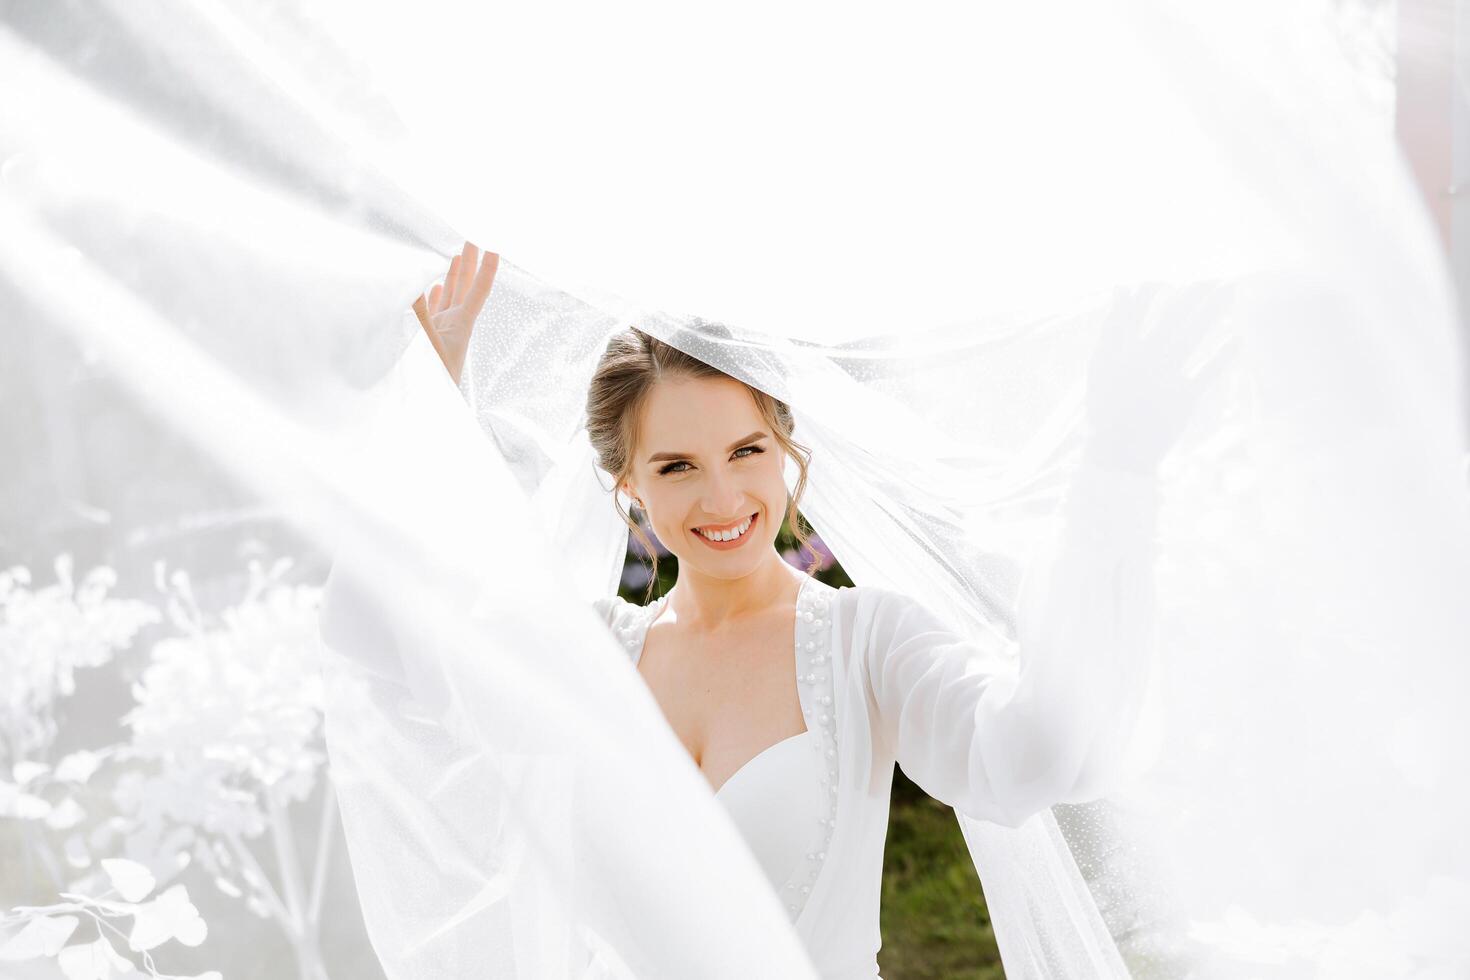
448,311
1001,739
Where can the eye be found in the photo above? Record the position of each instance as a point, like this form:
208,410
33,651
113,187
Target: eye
671,467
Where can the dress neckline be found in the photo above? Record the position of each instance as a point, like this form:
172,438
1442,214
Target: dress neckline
760,755
658,608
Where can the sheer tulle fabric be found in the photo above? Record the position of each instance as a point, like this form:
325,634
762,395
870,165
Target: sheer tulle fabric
1263,761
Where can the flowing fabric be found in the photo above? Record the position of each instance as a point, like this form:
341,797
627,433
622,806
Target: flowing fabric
211,213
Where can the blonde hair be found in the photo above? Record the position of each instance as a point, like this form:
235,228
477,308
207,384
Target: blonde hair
627,371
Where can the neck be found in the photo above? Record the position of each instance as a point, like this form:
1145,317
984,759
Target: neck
706,603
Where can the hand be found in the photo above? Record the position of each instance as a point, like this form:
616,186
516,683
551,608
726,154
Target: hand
1156,351
448,311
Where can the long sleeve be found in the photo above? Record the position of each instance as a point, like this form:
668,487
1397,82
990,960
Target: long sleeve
1000,738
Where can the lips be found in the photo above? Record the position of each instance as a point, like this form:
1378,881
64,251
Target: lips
724,527
733,543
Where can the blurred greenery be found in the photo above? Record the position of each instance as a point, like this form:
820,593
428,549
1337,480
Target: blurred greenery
933,917
934,922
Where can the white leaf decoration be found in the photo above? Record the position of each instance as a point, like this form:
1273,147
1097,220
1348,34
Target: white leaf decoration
77,854
122,967
132,880
24,771
85,962
96,960
30,807
150,928
169,916
21,805
77,767
42,936
65,815
79,963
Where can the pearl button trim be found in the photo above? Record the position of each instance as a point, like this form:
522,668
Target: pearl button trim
815,691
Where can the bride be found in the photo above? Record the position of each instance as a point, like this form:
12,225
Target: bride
795,699
1036,538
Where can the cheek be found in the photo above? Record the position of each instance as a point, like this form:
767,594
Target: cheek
668,510
773,495
773,475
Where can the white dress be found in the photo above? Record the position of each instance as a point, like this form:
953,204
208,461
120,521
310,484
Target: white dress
814,807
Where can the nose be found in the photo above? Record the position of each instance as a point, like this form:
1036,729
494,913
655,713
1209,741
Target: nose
722,498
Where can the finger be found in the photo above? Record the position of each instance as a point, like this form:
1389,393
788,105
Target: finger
451,280
436,293
469,257
479,290
418,307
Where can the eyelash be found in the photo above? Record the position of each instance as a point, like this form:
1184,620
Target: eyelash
670,467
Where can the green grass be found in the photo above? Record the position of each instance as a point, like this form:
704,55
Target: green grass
934,922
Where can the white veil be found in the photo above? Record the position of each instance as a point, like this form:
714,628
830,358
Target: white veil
213,228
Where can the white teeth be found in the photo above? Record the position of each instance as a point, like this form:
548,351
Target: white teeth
729,535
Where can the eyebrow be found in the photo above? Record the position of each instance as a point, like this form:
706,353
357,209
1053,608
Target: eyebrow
758,434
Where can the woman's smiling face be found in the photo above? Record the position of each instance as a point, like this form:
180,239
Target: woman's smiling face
706,461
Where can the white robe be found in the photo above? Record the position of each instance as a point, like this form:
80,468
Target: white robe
882,681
